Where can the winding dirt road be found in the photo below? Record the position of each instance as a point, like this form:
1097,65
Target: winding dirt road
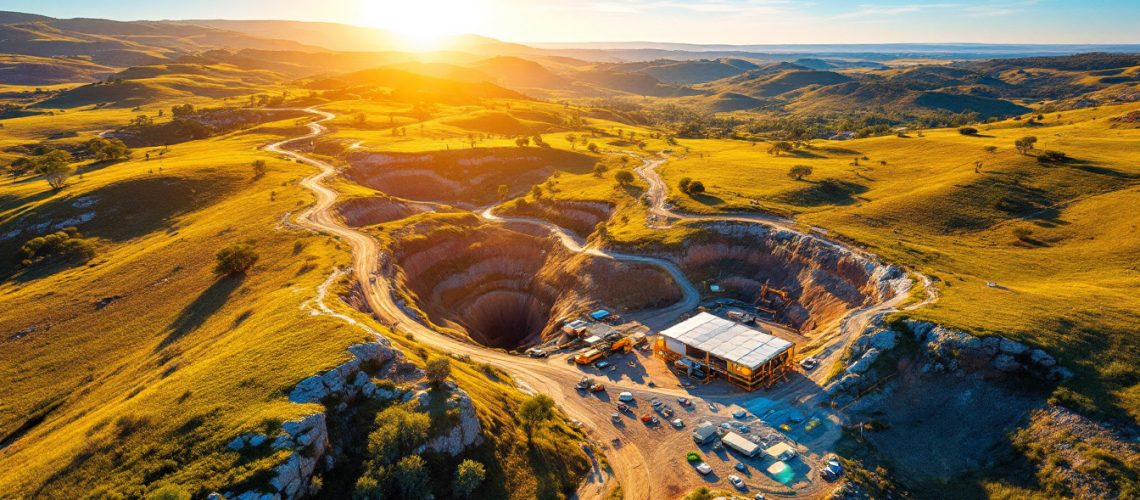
636,463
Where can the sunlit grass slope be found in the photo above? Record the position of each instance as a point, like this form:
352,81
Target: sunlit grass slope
1058,241
142,364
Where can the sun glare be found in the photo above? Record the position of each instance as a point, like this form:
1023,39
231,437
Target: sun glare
423,22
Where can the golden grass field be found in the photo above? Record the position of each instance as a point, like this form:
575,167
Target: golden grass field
137,368
1059,241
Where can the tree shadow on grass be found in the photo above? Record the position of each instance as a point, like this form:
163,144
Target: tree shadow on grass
708,200
197,312
825,192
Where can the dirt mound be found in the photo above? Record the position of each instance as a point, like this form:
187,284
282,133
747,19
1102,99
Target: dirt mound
465,178
505,288
371,210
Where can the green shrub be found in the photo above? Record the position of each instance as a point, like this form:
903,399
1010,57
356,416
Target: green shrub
1051,157
236,259
968,131
61,245
693,456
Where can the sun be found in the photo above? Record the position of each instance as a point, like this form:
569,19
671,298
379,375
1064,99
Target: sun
422,22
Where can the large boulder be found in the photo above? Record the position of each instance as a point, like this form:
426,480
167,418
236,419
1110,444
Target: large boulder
864,362
347,380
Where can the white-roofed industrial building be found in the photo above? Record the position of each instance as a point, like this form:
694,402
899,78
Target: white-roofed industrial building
746,356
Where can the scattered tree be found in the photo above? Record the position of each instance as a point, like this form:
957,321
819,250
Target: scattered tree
468,476
599,169
624,177
1025,144
968,131
237,258
522,142
696,187
572,139
1052,157
798,172
55,167
536,191
593,148
399,431
437,370
780,147
684,183
182,110
259,169
534,411
103,149
412,477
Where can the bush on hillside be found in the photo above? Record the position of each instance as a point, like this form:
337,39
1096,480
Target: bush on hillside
61,245
696,187
468,476
624,177
103,149
968,131
1052,157
236,259
437,370
684,183
798,172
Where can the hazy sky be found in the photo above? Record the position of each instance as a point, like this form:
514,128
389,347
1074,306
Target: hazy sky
696,21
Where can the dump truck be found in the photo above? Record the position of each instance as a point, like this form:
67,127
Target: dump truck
589,356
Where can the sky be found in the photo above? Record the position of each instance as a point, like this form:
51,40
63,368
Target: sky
690,21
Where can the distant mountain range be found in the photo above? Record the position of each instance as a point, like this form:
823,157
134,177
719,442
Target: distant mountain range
172,58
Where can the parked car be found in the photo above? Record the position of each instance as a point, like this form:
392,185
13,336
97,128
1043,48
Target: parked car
602,365
739,414
678,423
622,407
740,466
535,352
809,364
656,404
625,396
616,417
684,402
744,429
597,388
736,481
703,468
583,384
712,407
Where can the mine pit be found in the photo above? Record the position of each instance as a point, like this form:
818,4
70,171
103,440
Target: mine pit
805,282
508,289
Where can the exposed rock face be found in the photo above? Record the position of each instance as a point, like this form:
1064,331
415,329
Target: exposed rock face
307,439
503,287
581,217
466,432
349,380
823,280
954,350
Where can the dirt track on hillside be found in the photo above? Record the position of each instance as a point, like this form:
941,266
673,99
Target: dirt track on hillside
635,462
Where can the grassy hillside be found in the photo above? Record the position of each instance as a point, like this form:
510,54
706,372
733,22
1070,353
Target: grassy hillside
1052,237
132,371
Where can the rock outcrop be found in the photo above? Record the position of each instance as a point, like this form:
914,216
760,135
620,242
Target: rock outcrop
467,431
955,351
307,439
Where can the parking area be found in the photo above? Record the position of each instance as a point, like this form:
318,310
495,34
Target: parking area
657,397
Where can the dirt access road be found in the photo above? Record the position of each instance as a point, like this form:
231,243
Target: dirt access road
635,462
